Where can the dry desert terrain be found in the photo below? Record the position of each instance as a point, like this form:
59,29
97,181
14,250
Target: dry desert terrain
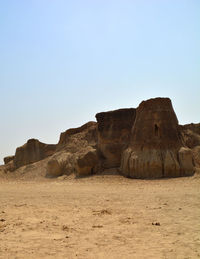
100,217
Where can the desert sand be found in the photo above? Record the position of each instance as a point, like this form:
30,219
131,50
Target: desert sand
100,217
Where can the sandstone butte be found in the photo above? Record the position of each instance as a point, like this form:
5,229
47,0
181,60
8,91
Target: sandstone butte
145,143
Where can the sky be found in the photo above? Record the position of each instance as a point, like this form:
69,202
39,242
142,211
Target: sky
62,61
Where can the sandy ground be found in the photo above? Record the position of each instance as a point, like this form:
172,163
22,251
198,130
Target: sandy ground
100,217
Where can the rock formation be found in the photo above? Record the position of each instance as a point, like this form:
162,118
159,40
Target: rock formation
156,149
31,152
86,132
7,159
196,156
75,152
86,163
146,142
190,134
114,129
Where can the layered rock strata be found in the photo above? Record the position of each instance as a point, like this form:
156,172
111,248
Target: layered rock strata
156,149
87,132
114,130
75,152
7,159
146,142
31,152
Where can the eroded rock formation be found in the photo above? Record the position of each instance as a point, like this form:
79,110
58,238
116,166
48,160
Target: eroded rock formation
146,142
87,133
86,163
190,134
31,152
156,149
7,159
114,130
76,152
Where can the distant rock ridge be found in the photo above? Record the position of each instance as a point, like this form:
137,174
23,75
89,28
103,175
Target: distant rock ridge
143,143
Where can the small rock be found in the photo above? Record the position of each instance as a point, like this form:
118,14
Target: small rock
97,226
64,227
156,224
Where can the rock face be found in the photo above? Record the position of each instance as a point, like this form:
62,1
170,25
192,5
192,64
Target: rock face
53,168
146,142
75,152
190,134
86,132
114,130
196,156
86,163
8,159
156,149
61,163
31,152
194,127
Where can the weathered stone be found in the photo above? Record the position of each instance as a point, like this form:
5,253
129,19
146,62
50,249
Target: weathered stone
186,161
53,168
7,159
86,132
86,163
194,127
31,152
61,163
155,143
114,130
196,156
190,138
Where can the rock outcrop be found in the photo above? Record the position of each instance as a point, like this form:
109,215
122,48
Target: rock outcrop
146,142
86,163
196,156
156,149
194,127
86,133
31,152
61,163
190,135
75,152
7,159
114,130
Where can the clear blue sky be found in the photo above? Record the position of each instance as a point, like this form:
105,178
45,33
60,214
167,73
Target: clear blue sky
63,61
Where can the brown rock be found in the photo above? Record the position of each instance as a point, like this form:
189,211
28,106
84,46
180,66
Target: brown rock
61,163
114,130
86,163
196,156
194,127
190,137
31,152
86,132
73,145
53,168
185,158
155,146
8,159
